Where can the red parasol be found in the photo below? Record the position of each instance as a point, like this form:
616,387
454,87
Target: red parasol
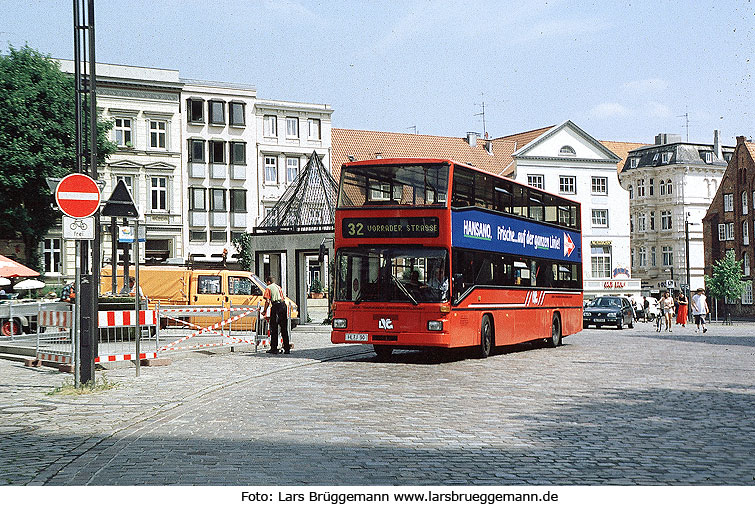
10,268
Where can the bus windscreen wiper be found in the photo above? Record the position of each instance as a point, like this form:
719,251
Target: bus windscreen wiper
404,290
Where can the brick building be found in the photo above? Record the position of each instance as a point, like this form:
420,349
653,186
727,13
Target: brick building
729,223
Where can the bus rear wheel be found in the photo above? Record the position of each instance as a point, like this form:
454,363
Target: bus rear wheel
556,338
383,352
486,338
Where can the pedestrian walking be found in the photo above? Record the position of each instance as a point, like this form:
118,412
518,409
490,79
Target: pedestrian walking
681,312
700,309
278,315
667,308
645,308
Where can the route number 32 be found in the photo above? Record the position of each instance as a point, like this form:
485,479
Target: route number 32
355,229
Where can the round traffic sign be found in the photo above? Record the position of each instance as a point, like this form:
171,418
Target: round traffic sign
78,196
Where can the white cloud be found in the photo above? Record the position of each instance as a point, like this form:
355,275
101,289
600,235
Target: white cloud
658,110
609,110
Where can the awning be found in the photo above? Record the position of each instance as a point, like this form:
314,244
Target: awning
10,268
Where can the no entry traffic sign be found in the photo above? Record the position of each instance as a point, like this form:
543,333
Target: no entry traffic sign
78,196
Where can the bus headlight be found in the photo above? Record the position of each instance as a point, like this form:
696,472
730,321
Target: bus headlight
339,323
435,325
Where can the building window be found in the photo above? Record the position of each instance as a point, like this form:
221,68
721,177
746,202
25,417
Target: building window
666,157
314,128
652,220
567,185
198,235
292,128
652,256
197,199
270,126
744,202
236,114
746,264
729,202
292,168
724,232
665,220
640,187
668,256
745,233
122,127
599,185
567,151
271,170
129,181
600,218
643,257
634,162
217,200
238,200
218,236
747,294
631,192
641,226
53,255
196,150
238,153
537,181
195,110
650,187
600,261
668,187
217,152
663,187
158,134
217,112
158,193
707,156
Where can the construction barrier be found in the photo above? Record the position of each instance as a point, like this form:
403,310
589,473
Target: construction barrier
118,335
53,335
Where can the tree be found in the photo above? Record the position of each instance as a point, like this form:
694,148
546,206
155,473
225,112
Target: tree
37,141
726,281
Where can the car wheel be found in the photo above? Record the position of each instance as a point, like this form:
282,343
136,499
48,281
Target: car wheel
383,352
556,335
486,338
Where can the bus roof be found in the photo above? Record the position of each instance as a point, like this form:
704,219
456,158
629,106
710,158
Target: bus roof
419,160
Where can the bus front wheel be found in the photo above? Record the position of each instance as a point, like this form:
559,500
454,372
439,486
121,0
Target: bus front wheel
486,338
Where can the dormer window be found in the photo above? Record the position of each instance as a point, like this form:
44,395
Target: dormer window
707,156
567,151
666,157
634,162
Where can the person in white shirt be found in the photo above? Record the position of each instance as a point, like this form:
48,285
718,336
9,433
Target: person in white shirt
700,309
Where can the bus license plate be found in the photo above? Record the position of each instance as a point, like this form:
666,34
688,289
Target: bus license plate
356,337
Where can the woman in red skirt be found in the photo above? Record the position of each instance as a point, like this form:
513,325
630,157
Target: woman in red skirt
681,313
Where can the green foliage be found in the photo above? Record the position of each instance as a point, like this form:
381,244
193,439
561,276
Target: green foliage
316,286
243,245
37,140
68,388
726,281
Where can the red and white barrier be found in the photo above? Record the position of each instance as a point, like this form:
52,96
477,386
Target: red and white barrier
53,357
125,357
55,319
112,319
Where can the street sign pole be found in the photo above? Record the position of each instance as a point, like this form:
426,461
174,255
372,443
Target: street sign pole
77,322
137,296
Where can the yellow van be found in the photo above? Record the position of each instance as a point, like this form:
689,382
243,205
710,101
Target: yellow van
175,285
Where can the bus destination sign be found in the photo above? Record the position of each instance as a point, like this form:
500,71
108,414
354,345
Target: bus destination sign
390,227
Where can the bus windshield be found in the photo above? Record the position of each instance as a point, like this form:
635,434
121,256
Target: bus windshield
402,184
392,274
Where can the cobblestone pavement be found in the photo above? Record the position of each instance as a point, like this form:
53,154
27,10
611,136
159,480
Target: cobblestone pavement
608,407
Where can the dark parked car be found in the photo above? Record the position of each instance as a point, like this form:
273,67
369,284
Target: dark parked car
608,310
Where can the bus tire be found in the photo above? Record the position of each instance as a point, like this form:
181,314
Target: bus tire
556,338
383,352
487,338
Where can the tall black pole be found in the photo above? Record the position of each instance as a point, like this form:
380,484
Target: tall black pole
94,329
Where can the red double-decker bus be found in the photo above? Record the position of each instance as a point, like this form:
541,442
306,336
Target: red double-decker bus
433,253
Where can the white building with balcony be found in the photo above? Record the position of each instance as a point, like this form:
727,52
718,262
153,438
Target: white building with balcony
569,162
671,184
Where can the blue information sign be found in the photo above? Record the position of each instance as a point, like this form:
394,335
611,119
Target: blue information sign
479,230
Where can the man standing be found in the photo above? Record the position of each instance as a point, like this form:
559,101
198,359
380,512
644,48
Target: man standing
645,307
273,297
700,309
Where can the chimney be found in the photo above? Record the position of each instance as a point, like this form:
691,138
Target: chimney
663,139
717,146
489,146
472,138
741,140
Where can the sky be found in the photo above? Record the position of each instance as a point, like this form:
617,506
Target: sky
621,70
